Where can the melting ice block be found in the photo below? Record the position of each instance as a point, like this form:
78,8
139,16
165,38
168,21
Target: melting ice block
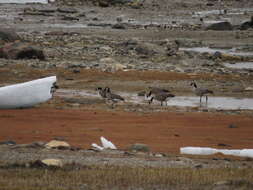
107,144
209,151
198,150
26,94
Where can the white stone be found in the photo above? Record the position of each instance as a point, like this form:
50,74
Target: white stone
52,162
55,144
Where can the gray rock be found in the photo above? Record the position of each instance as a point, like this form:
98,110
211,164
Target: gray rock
9,142
8,35
67,10
121,26
139,147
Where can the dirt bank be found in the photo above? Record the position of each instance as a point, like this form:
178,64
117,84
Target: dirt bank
163,132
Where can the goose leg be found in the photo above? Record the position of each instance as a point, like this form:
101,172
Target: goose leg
200,99
206,99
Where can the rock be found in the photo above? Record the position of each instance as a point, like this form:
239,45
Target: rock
220,26
21,50
222,144
9,142
188,43
217,55
121,26
232,126
103,3
247,25
229,57
139,147
8,35
148,49
67,10
107,60
52,162
248,88
38,144
118,67
57,144
65,17
47,10
55,163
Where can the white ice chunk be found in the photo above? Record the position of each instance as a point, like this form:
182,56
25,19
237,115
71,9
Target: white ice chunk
234,152
246,153
26,94
94,145
107,144
198,150
209,151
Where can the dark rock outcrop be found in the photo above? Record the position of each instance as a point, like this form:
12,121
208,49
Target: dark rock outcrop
21,50
220,26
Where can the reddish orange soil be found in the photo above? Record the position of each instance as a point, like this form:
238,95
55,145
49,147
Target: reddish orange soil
164,132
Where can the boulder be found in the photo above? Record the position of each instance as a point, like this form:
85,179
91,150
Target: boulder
46,163
52,162
149,49
21,50
220,26
57,144
9,142
121,26
67,10
8,35
229,57
139,147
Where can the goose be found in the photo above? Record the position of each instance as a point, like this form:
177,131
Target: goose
162,97
114,98
201,91
156,90
101,92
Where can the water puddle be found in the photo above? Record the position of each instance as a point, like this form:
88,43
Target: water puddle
219,103
23,1
240,65
221,11
66,25
232,51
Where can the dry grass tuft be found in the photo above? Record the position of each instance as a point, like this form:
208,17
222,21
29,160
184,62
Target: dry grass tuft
117,177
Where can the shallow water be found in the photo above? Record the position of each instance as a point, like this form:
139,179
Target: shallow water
240,65
232,51
221,11
220,103
24,1
66,25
